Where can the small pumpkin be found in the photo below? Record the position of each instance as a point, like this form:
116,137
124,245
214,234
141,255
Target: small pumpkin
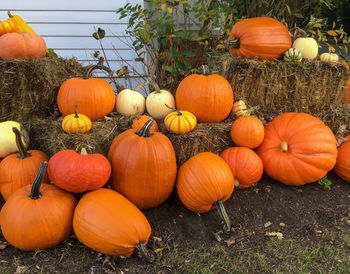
140,121
76,172
156,101
7,26
239,108
8,142
107,222
208,96
180,122
247,131
307,46
245,164
143,166
298,148
76,123
342,166
20,169
22,46
131,102
94,97
344,63
329,57
19,23
38,216
204,182
292,56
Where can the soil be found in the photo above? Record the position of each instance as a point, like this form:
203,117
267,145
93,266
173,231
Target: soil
308,213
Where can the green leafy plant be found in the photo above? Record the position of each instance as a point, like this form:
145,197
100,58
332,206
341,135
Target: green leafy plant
325,183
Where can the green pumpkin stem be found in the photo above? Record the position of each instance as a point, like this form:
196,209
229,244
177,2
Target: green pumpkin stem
35,191
75,112
179,113
145,131
234,43
155,86
223,214
23,153
249,111
91,68
205,70
141,247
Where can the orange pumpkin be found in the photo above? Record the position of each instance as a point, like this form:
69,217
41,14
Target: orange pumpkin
143,166
261,37
140,121
22,46
20,169
94,97
208,97
39,216
109,223
245,164
298,148
342,166
205,181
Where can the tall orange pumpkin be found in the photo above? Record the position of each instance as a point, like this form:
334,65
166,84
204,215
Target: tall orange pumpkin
261,37
94,97
298,148
208,96
342,167
143,166
204,182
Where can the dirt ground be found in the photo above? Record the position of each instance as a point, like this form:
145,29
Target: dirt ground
313,225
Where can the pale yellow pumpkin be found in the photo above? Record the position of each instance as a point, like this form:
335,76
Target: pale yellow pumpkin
8,138
131,102
329,57
307,46
156,101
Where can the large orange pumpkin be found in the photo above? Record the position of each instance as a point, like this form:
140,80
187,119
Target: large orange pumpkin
204,182
245,164
208,97
143,166
261,37
342,167
298,148
107,222
22,46
94,97
20,169
39,216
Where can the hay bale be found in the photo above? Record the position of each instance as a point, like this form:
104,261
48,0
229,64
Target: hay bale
29,87
47,135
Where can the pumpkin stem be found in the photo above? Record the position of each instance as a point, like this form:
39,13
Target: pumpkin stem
233,43
83,151
223,214
284,146
9,14
236,183
205,70
155,86
174,109
75,112
249,111
141,85
91,68
35,192
145,131
141,247
21,147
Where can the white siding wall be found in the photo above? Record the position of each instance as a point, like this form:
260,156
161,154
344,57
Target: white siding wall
67,27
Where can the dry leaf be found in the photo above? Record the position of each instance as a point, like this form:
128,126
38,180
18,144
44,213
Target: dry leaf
2,246
230,242
21,269
158,250
217,235
279,235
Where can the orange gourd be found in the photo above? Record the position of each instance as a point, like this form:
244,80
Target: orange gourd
140,121
262,37
298,148
208,96
342,166
143,166
39,216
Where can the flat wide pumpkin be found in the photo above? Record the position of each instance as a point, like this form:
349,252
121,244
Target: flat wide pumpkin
298,148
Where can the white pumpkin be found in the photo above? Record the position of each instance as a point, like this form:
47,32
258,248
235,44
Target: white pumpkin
130,102
329,57
158,103
8,138
307,46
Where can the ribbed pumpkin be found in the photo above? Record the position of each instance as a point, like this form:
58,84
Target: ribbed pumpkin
76,123
20,169
329,57
180,122
292,56
8,142
140,121
109,223
208,96
143,166
39,216
7,26
298,148
342,166
78,172
245,164
94,97
20,24
204,182
239,108
22,46
247,131
261,37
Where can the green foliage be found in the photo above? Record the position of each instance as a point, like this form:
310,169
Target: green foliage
325,183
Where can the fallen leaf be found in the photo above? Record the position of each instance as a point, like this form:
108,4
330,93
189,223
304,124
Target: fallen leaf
108,118
282,224
157,239
3,246
217,235
158,250
267,224
230,242
277,234
21,269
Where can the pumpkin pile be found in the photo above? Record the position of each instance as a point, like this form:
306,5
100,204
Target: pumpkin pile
140,170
